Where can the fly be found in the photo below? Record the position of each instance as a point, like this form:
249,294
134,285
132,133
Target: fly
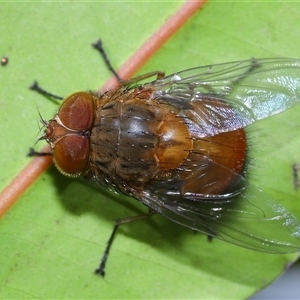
178,145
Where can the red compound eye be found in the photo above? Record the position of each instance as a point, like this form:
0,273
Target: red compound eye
77,111
71,154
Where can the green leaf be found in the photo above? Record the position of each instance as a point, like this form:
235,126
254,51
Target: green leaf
53,238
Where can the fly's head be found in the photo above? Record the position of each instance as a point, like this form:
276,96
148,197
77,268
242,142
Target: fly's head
68,133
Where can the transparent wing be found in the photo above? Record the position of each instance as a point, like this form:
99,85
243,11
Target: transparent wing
255,89
250,219
222,98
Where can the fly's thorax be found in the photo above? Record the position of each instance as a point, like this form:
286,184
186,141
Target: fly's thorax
135,139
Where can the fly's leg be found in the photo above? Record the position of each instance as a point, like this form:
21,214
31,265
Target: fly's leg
32,153
98,46
101,269
37,88
158,75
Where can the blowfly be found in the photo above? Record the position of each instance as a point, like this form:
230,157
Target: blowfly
178,145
